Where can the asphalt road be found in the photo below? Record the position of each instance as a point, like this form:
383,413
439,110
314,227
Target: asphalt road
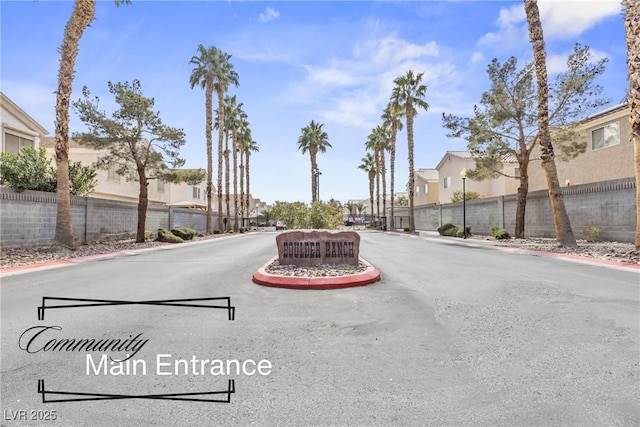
451,335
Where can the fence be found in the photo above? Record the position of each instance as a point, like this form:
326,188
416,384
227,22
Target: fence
29,218
608,205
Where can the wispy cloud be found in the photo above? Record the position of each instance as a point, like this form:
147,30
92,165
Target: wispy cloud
269,14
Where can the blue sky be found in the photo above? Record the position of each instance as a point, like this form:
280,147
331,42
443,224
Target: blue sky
333,62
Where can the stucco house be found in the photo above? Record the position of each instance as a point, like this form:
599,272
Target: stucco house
115,187
18,128
608,155
427,187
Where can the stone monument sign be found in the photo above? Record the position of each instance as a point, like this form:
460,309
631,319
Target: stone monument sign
314,247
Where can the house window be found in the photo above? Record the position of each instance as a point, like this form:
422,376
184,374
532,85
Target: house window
160,186
605,136
112,175
13,143
196,193
447,182
516,172
417,190
426,188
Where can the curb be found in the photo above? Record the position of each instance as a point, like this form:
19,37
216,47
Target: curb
367,277
50,265
620,265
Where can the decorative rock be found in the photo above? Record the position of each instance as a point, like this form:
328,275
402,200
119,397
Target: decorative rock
318,247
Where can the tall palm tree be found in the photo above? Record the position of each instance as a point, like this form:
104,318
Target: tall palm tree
213,71
392,119
632,27
361,208
409,92
227,120
564,234
369,166
243,135
378,142
250,147
238,125
313,139
81,17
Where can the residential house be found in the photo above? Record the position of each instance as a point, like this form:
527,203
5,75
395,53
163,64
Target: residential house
450,179
17,127
115,187
608,155
426,187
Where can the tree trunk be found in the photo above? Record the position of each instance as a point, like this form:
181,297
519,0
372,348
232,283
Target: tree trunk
314,166
392,161
242,212
521,199
564,234
226,180
209,126
235,182
247,171
372,177
378,171
220,140
384,183
81,17
412,223
143,202
632,26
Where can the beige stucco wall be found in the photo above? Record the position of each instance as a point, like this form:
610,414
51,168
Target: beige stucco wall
17,122
601,164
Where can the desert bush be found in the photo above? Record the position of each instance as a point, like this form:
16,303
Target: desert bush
406,229
185,233
167,236
592,233
443,228
499,233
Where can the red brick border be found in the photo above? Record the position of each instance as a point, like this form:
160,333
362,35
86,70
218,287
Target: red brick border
367,277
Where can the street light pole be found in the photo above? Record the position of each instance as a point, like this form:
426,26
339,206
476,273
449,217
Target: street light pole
463,174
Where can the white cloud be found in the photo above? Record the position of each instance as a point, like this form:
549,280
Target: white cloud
558,63
476,57
269,14
560,19
570,18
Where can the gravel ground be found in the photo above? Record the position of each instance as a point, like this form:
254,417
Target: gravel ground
602,250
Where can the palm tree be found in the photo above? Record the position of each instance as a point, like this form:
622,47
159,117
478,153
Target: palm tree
369,166
378,142
632,26
313,139
238,125
409,93
351,207
213,71
361,208
250,146
392,119
564,234
83,14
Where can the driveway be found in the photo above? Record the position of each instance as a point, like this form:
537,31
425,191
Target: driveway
451,335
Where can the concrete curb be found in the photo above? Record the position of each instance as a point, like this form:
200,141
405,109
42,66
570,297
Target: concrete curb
620,265
50,265
367,277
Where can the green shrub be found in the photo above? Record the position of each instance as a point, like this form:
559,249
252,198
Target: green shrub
185,233
451,231
460,232
443,228
406,229
592,233
148,235
216,231
165,235
499,233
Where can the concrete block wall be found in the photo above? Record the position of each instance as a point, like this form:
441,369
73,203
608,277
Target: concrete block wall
608,205
29,218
